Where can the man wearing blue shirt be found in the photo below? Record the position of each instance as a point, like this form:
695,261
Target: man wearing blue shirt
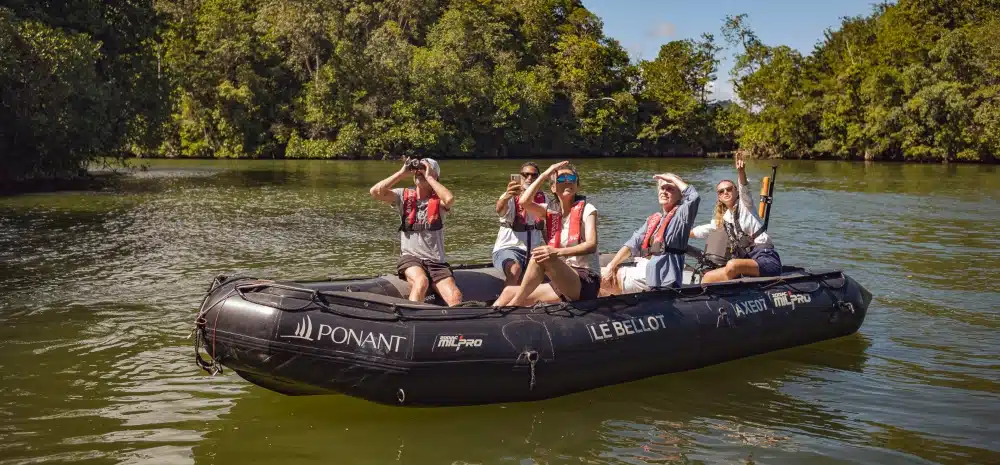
659,244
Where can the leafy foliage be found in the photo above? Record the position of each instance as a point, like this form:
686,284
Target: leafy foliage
917,80
77,78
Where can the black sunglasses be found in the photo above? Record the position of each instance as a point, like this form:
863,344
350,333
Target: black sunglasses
725,189
529,174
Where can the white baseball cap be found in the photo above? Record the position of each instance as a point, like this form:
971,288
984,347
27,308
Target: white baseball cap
434,166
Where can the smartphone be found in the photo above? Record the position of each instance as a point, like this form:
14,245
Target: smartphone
515,177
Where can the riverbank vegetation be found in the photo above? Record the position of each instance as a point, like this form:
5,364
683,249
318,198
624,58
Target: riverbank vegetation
916,80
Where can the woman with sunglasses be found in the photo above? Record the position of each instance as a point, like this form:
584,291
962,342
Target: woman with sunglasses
520,230
751,256
569,257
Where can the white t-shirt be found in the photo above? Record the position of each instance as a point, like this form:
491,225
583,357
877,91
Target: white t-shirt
590,261
509,239
749,220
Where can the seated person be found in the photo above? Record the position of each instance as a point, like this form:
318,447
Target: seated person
659,244
421,231
569,257
752,251
520,230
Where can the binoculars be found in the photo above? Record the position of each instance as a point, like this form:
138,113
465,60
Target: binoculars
414,164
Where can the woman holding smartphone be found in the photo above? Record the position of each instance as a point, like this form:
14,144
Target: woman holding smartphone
569,254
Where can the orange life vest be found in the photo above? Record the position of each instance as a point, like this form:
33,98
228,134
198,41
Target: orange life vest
553,223
409,216
652,243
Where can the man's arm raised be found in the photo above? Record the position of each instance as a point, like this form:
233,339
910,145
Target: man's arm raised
382,190
447,199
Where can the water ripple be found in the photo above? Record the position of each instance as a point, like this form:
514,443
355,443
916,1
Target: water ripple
100,289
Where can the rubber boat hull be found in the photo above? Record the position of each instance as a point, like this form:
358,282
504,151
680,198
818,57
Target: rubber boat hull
361,338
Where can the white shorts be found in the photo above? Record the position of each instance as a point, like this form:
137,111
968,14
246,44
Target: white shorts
633,277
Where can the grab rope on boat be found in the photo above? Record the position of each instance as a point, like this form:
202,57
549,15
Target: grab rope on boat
723,317
213,367
839,305
532,357
312,297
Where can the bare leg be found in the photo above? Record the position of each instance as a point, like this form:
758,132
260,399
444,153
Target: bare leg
744,267
734,269
417,278
564,279
714,276
505,296
533,276
512,273
542,293
448,290
612,286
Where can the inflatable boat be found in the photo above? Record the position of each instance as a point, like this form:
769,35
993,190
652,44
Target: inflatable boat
361,337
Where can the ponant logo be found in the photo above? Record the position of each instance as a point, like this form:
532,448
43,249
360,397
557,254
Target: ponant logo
342,336
303,330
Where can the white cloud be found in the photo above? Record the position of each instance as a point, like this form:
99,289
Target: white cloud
722,89
663,29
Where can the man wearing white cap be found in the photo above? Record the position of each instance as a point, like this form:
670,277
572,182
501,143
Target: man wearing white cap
658,245
421,231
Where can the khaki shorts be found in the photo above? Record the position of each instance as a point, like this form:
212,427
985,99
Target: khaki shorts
631,277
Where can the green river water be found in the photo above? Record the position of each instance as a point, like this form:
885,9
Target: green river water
100,289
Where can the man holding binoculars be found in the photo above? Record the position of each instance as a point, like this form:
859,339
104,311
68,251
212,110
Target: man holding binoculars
421,209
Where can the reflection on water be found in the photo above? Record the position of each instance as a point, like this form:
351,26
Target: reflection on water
100,288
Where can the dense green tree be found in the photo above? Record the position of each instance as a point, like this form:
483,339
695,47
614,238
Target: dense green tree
78,79
914,80
676,106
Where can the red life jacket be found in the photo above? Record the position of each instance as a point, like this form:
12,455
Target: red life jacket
553,224
521,217
652,243
409,216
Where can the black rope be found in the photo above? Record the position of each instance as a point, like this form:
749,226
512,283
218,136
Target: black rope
531,356
396,311
213,367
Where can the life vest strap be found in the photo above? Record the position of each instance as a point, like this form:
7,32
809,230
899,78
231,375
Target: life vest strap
553,223
652,242
408,216
539,226
520,223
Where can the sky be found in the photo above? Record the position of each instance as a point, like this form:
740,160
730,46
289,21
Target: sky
643,25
